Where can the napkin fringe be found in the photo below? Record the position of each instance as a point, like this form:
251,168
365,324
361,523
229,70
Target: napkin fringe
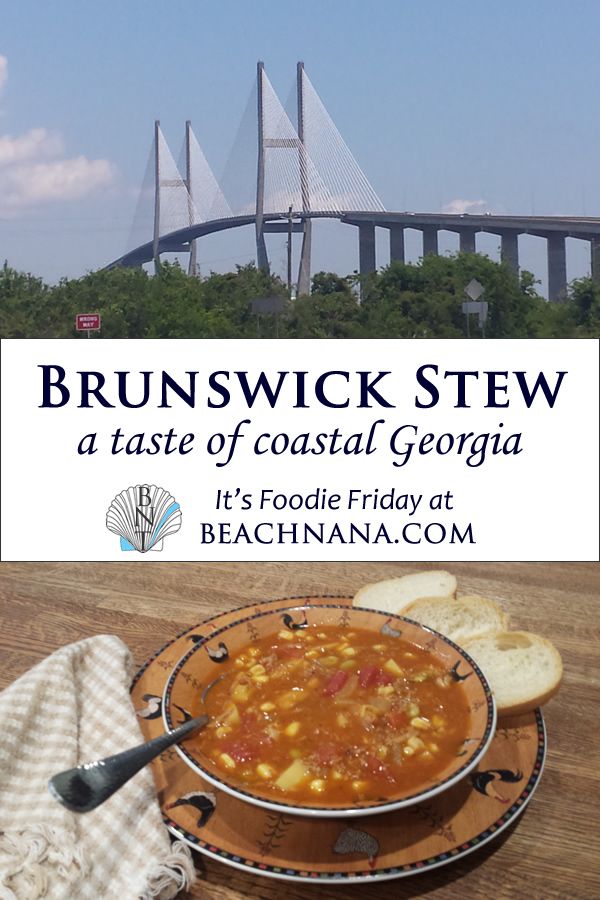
174,873
26,856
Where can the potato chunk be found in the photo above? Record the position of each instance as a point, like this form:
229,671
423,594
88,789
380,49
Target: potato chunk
293,776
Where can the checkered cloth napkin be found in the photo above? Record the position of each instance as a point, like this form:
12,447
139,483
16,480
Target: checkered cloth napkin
71,708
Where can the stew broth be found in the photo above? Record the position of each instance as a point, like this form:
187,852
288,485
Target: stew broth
335,716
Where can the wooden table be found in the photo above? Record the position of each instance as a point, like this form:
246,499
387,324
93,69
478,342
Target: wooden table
553,849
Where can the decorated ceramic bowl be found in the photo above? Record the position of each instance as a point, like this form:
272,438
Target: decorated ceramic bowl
330,711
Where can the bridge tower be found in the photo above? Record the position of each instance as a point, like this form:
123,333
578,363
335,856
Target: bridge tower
192,263
304,270
283,137
156,237
261,248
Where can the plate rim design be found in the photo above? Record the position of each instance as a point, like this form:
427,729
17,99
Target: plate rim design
255,867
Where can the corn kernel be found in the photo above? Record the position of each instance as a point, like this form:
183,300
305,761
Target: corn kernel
349,651
223,731
258,669
409,655
265,771
267,707
408,751
321,635
241,693
253,651
379,647
286,635
342,720
292,729
421,723
312,654
413,710
336,776
329,661
289,699
359,786
426,755
416,743
227,761
381,752
348,665
433,747
260,679
308,637
240,663
384,690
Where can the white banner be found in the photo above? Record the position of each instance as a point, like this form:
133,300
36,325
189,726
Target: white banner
301,450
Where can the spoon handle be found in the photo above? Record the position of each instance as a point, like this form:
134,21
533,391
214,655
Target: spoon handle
87,786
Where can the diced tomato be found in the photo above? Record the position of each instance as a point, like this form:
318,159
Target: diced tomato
242,750
293,652
327,753
396,718
373,676
249,719
367,676
376,767
335,683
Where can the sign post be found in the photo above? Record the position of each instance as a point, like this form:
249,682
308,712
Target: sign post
475,304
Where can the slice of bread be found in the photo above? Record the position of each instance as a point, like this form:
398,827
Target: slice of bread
466,617
394,594
524,670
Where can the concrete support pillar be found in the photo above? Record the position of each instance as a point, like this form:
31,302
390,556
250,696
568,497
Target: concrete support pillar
557,268
430,240
366,248
304,269
595,252
467,240
397,243
509,250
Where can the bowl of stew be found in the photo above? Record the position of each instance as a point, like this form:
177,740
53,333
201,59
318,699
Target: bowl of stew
330,710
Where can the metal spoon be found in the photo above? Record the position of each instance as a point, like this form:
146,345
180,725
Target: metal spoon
87,786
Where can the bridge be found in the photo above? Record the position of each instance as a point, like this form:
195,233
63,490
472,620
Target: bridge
305,171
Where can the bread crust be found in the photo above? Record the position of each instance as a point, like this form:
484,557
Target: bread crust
529,701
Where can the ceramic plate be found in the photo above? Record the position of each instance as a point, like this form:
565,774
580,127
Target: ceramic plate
296,849
204,661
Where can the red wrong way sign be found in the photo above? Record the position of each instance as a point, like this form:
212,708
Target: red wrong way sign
87,322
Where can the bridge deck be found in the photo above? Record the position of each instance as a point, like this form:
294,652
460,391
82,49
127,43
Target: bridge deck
585,228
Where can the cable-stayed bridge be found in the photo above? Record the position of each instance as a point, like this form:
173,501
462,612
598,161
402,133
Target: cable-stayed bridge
303,170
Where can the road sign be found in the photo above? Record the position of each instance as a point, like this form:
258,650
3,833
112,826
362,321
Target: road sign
263,306
474,289
87,322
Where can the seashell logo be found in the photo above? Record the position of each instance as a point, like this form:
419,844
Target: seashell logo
143,516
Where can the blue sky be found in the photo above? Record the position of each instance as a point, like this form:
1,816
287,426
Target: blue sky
440,102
